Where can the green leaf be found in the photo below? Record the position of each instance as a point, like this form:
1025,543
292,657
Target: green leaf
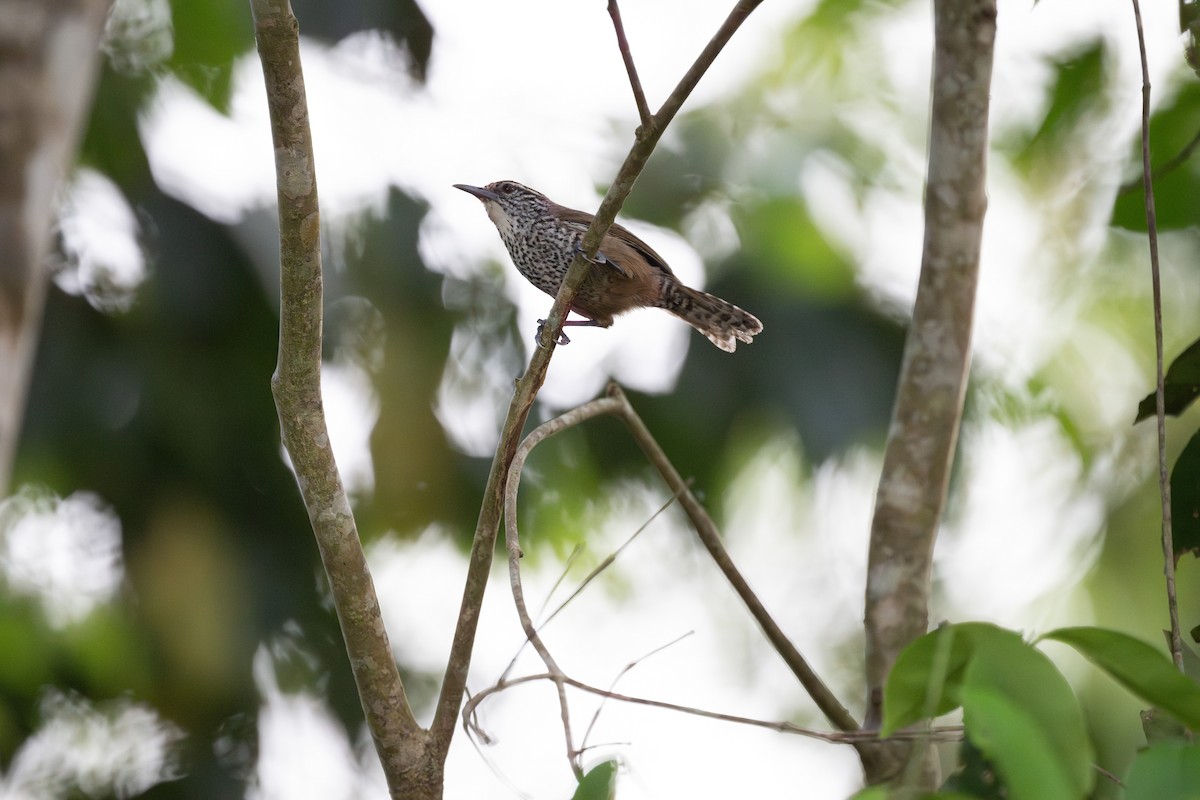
1158,726
1191,661
1015,698
975,776
1165,772
1016,742
1176,170
1185,500
1077,95
1181,385
600,782
210,35
910,694
1018,708
1139,668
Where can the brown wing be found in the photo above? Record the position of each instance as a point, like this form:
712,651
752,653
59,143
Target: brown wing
620,248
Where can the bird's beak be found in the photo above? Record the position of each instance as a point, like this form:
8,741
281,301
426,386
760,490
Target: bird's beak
478,191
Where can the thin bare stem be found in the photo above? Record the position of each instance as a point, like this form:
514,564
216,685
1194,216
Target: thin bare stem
639,96
624,671
591,576
706,531
574,417
483,545
948,733
296,386
1164,481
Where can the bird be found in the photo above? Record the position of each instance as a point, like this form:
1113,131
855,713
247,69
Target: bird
543,238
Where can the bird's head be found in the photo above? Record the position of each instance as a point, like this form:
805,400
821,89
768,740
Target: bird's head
509,204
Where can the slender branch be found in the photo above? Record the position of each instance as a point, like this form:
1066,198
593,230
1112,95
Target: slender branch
296,386
706,530
639,96
929,398
625,670
512,484
947,733
454,686
1164,482
604,564
710,537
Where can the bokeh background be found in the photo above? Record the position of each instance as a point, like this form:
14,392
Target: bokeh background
165,626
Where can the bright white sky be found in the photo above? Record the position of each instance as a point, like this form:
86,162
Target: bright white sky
530,90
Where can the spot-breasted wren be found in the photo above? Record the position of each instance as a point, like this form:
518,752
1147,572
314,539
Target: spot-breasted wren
543,237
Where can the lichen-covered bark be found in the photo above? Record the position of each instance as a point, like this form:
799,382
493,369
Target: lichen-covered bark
296,384
929,401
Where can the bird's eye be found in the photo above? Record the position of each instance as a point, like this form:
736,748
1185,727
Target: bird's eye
507,188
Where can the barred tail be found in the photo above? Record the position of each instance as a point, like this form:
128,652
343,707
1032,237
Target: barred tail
722,322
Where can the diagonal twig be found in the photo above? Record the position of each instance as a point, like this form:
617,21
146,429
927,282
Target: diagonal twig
639,96
706,531
1164,483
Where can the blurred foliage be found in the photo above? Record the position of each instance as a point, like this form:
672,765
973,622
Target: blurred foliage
165,411
1181,386
1174,135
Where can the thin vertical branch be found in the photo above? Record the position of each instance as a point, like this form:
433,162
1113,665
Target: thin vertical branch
1164,482
296,386
929,399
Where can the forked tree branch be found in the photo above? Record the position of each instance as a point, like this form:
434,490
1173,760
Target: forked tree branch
528,385
296,386
933,377
617,403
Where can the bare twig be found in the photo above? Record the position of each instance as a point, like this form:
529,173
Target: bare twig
639,96
1164,482
624,671
706,530
591,576
929,398
948,733
528,385
512,484
296,385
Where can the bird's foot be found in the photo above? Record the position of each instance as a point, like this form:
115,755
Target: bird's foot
599,260
537,337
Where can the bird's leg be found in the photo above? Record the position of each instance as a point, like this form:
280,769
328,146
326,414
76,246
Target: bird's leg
562,336
537,337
